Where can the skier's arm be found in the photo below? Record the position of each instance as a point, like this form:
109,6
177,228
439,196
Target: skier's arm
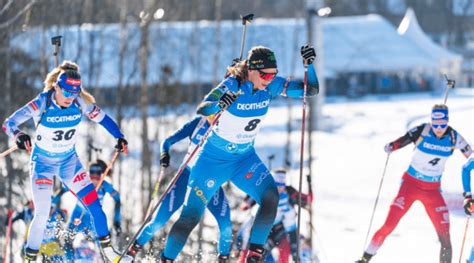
295,88
32,109
185,131
466,175
463,146
95,114
218,98
409,137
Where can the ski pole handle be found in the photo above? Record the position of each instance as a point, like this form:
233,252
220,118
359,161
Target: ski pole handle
7,152
107,170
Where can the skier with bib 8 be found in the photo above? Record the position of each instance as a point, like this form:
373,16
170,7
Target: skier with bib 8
243,98
57,112
434,143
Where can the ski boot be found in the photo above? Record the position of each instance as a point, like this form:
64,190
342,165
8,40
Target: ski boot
134,249
254,254
110,253
163,259
365,258
223,259
30,255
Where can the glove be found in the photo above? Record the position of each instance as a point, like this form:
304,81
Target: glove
165,159
308,53
468,209
122,145
388,148
117,227
227,99
23,141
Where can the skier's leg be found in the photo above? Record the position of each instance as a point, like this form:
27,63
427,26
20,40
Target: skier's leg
219,208
439,215
253,178
206,177
42,174
172,202
401,204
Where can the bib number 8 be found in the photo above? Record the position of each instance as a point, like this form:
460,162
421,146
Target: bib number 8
66,135
252,125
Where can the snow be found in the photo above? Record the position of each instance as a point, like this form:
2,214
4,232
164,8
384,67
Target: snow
348,165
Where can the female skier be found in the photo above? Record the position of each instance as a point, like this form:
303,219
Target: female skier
434,143
57,112
228,154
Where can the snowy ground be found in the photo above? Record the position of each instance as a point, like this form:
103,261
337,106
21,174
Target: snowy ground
348,164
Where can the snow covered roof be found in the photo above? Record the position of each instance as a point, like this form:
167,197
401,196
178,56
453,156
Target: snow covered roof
192,49
410,29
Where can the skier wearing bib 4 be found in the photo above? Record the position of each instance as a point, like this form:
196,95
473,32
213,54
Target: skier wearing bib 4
229,154
434,143
57,112
218,206
468,202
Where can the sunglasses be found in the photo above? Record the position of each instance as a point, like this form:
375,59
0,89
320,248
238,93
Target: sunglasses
267,76
439,126
68,94
95,170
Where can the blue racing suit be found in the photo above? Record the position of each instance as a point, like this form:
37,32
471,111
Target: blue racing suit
54,154
229,154
466,184
219,206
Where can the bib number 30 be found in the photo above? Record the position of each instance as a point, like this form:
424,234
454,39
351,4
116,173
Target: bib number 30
252,125
64,135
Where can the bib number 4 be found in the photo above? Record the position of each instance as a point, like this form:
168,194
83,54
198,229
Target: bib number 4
434,161
60,135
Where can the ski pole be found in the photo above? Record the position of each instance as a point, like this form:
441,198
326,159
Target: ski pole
154,195
303,128
464,237
450,83
7,152
376,200
109,166
7,237
173,181
245,20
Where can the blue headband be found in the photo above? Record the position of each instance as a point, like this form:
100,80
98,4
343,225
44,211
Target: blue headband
439,114
69,84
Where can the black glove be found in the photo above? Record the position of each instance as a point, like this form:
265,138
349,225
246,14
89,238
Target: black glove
468,203
165,159
308,53
22,140
227,99
121,145
117,227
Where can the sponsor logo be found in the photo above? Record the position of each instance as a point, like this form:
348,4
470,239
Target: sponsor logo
79,177
253,106
437,147
63,118
441,209
262,177
215,199
225,205
74,82
33,105
210,183
445,218
438,115
172,198
231,147
95,111
44,181
399,202
200,194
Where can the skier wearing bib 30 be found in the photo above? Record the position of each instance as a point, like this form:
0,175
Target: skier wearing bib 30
57,112
434,143
229,153
218,206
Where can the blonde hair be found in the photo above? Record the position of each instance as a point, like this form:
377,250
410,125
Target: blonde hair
70,68
439,107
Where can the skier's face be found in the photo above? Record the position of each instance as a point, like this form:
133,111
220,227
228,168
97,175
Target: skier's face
262,77
63,97
439,127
